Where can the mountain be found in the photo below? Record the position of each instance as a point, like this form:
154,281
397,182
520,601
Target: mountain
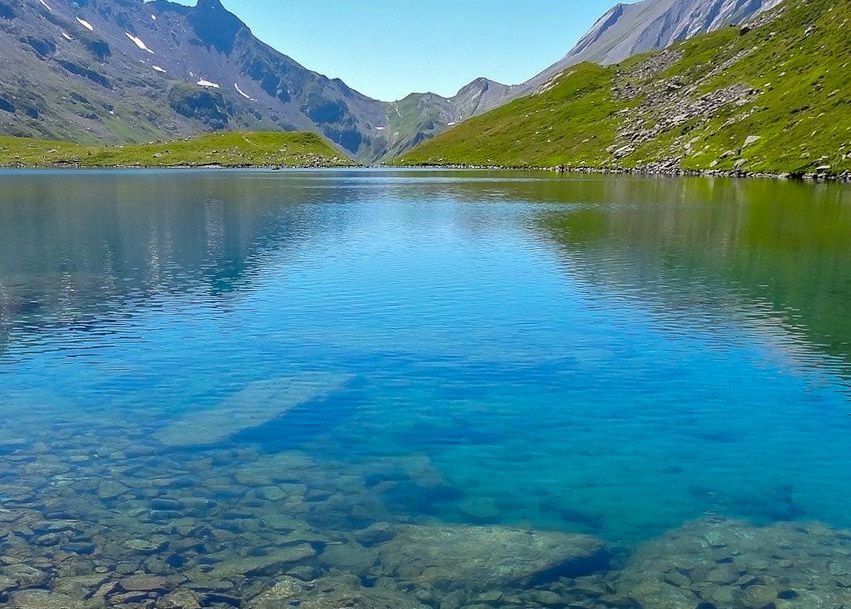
769,97
421,116
623,31
628,29
131,71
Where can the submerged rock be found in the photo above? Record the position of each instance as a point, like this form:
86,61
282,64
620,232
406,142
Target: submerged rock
110,489
180,599
484,558
7,584
375,534
146,546
734,565
332,592
43,599
258,403
271,563
25,576
143,583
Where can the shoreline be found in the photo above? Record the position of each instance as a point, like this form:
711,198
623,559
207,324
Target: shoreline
815,177
842,178
211,166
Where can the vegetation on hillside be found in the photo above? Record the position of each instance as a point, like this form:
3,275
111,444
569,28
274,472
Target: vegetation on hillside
234,149
771,97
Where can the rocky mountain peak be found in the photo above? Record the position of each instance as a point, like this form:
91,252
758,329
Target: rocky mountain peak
215,25
209,5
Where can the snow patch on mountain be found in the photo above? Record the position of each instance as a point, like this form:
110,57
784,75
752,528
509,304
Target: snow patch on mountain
243,93
138,42
86,24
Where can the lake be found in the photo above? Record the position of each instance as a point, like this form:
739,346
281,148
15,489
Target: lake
386,389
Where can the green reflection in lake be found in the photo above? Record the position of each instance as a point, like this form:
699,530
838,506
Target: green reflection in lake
746,245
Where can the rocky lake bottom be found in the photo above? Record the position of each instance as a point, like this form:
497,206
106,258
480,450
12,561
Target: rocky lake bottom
423,390
92,520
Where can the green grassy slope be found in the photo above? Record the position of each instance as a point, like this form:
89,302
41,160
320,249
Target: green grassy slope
232,149
774,99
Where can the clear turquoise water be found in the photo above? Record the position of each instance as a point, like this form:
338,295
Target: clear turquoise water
610,355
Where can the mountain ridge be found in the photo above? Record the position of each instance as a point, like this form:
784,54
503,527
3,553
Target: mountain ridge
770,97
628,29
131,71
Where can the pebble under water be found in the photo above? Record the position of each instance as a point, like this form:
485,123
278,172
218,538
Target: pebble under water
380,389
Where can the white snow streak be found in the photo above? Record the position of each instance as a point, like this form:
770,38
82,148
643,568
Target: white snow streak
207,83
46,5
66,37
86,24
138,42
243,93
159,69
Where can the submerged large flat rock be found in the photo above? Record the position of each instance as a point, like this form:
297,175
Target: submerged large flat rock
488,557
258,403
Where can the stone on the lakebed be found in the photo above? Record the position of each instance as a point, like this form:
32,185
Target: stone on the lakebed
726,563
143,583
487,557
332,592
271,563
43,599
256,404
25,576
7,584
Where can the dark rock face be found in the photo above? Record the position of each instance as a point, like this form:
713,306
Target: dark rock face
204,106
6,11
6,105
215,26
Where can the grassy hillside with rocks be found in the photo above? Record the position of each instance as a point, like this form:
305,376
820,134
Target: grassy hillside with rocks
772,97
224,149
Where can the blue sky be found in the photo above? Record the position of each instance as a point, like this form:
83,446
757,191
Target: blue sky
389,48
